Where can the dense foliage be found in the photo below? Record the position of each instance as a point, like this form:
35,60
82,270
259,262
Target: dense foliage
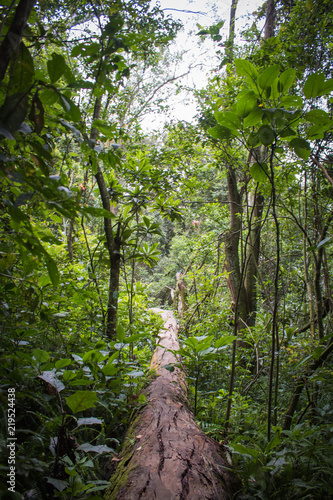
228,221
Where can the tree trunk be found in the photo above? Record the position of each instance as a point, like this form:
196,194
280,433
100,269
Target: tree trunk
113,242
14,35
166,455
270,19
252,257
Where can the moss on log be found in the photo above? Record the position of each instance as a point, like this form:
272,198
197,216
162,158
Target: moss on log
171,457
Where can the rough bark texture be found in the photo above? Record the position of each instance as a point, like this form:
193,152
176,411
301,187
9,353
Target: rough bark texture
171,457
270,19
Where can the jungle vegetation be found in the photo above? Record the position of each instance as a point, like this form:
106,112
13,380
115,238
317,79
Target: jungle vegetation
230,215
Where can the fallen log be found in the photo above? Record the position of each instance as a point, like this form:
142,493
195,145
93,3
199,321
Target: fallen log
171,458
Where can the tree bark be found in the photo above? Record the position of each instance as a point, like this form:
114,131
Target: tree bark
14,35
270,19
252,256
171,458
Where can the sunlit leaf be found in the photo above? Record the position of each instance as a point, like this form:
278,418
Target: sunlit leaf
81,400
267,77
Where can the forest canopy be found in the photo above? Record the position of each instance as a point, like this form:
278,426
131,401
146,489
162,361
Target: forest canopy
225,219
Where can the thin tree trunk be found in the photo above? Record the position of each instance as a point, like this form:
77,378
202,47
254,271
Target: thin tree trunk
252,255
233,9
166,455
113,242
14,35
270,19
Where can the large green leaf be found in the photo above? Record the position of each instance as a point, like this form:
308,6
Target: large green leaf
219,132
40,355
81,400
56,67
228,120
266,135
52,270
291,101
245,68
327,87
318,117
268,76
301,147
121,334
24,71
286,80
246,102
259,172
314,85
253,118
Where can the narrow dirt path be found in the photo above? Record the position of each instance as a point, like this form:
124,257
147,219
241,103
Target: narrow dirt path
171,458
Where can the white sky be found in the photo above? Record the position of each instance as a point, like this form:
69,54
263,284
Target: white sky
211,12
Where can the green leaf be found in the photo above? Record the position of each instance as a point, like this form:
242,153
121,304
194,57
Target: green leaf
93,356
98,212
74,113
109,370
313,85
273,443
40,355
252,140
24,71
259,172
253,118
121,335
229,120
244,450
104,128
318,117
81,400
287,132
225,340
286,80
327,87
245,68
315,132
61,363
291,101
52,270
69,375
268,76
219,132
56,67
266,135
246,102
301,147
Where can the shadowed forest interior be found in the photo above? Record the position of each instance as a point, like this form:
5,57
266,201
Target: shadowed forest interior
111,207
